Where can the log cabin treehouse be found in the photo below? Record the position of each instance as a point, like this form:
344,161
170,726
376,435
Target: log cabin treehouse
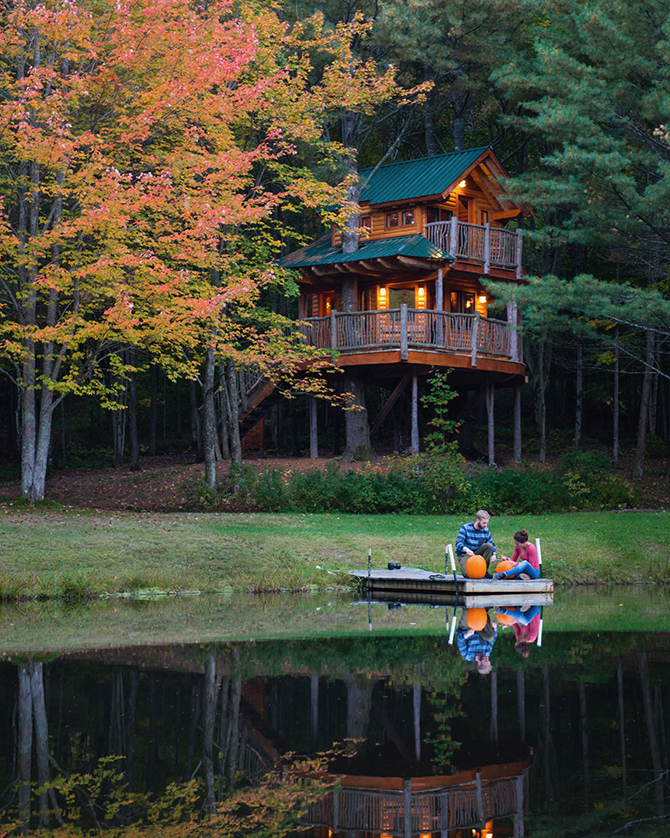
408,298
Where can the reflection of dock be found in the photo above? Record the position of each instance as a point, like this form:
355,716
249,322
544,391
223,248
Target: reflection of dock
394,806
415,580
509,600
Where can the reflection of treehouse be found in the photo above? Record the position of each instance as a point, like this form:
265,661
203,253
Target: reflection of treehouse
423,806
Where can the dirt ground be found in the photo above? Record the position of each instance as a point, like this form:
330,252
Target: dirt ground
165,482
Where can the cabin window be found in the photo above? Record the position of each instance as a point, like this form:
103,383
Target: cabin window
435,214
485,217
366,222
382,297
421,296
400,219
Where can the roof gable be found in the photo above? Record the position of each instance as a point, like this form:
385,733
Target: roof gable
420,178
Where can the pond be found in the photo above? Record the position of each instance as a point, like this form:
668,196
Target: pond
158,711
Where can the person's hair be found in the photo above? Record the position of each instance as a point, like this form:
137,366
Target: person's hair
522,648
482,513
521,536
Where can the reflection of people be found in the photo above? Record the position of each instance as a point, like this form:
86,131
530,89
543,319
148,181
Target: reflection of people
474,643
475,540
525,555
526,626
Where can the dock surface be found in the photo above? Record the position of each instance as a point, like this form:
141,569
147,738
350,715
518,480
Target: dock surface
414,579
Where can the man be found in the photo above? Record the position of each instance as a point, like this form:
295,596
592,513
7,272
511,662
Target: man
476,645
475,540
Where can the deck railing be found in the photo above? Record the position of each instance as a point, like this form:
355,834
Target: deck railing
407,328
492,246
402,813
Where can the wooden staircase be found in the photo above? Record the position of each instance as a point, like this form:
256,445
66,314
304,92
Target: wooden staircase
260,398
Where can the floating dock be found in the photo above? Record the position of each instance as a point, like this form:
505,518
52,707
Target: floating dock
413,580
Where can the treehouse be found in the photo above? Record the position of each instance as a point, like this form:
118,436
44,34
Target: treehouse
403,295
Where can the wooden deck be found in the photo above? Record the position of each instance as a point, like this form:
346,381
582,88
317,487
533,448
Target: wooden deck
414,580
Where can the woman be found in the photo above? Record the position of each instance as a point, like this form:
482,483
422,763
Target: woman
525,555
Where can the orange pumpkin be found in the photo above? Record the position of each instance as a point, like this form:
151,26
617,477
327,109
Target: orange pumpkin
503,566
505,619
477,618
475,567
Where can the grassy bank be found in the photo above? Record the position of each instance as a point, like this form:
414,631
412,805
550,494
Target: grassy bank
73,553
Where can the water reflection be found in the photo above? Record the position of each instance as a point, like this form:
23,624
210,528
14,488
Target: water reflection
572,739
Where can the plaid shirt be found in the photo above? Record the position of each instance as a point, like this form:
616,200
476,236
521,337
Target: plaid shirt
471,538
470,647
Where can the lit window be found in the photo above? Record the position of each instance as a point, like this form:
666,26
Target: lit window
383,300
421,296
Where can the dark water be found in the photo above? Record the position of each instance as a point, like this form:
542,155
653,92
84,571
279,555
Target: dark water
572,740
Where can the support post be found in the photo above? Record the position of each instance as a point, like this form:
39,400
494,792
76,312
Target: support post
333,329
313,432
404,335
512,325
490,390
519,253
439,291
487,248
479,798
474,339
414,443
407,788
314,709
453,244
518,807
517,423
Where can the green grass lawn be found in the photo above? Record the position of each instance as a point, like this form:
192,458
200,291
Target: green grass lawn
58,552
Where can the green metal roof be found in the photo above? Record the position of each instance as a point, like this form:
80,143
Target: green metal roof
321,252
416,178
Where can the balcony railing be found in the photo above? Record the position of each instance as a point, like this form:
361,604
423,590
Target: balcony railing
491,246
398,813
410,328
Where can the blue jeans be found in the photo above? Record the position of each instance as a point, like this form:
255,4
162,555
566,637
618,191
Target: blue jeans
522,567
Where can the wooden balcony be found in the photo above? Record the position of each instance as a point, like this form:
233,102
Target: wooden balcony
489,246
469,336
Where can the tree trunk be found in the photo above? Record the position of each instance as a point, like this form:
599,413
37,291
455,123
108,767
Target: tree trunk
538,360
196,426
41,740
233,405
208,719
234,735
644,404
356,421
429,119
615,402
458,129
652,734
25,747
153,414
209,419
132,414
579,396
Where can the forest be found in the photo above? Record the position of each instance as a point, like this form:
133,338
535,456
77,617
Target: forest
159,157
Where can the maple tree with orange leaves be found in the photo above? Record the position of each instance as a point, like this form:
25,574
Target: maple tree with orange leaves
147,146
